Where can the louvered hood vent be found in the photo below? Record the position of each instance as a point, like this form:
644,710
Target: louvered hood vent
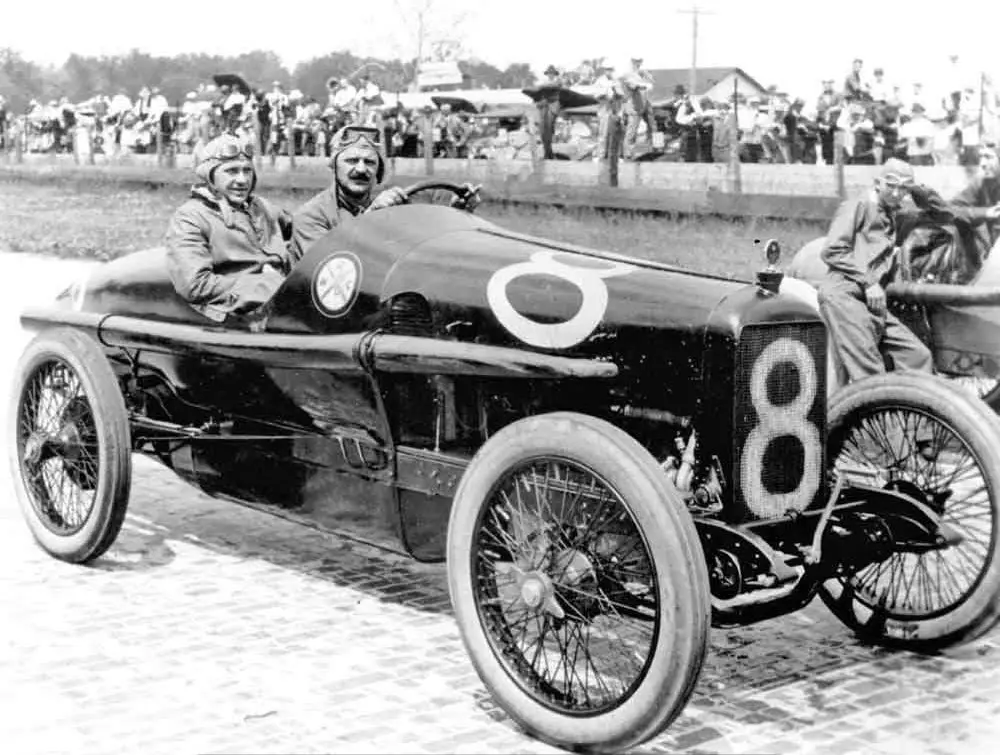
410,315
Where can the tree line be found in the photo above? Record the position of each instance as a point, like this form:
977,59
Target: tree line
81,77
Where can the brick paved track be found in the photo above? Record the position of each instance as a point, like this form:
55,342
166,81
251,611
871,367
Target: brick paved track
211,627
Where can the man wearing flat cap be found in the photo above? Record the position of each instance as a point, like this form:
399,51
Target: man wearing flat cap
861,256
357,159
226,247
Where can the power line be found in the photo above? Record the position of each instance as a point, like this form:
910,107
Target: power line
695,11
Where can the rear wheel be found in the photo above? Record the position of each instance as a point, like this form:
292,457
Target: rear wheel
578,582
920,436
71,465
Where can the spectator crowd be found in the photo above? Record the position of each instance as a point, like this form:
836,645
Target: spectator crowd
863,120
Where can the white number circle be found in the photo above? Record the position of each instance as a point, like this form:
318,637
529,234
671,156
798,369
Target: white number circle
589,281
789,419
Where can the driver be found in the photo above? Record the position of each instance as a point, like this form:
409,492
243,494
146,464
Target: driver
226,248
860,253
358,164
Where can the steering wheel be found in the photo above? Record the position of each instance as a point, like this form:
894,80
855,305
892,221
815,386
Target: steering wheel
435,183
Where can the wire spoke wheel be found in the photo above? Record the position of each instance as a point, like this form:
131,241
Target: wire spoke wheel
69,430
905,449
578,582
565,586
58,447
929,440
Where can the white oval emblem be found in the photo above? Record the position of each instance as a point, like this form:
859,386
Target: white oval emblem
336,283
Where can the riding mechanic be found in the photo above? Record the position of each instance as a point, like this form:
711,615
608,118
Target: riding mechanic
358,164
227,249
860,254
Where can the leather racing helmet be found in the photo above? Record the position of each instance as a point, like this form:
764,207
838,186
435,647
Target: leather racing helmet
219,150
350,136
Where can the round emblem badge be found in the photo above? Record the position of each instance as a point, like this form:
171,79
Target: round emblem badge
336,283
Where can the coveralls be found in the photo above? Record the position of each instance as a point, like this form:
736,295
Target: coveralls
319,215
859,252
223,259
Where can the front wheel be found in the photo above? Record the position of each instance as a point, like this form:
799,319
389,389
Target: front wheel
70,445
920,436
578,582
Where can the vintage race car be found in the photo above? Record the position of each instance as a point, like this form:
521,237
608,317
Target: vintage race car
611,454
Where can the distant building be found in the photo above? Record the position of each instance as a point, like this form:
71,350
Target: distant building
715,83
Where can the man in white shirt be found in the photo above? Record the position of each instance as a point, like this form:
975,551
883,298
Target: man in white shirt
610,99
344,95
918,133
859,134
637,83
368,94
276,98
120,104
232,106
968,121
879,88
158,104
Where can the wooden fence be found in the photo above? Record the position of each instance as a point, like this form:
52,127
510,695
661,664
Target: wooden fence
809,192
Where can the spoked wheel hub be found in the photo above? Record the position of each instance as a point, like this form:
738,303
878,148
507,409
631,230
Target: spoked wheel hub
538,594
549,591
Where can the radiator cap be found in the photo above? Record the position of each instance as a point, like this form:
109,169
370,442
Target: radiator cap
769,279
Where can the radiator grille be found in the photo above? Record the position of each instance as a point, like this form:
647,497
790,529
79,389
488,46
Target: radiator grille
780,418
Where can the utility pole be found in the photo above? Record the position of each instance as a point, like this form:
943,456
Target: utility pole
695,11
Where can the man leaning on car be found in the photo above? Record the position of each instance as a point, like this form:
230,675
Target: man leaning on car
358,163
860,254
226,248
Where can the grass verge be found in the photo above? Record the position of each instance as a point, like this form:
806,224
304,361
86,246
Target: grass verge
104,219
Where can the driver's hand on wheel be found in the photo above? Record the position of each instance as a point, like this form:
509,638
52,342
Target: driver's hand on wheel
469,199
388,198
993,213
875,296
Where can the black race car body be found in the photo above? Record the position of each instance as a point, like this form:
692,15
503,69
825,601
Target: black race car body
453,329
610,453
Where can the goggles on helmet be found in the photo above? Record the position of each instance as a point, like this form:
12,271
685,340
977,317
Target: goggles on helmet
230,149
351,135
